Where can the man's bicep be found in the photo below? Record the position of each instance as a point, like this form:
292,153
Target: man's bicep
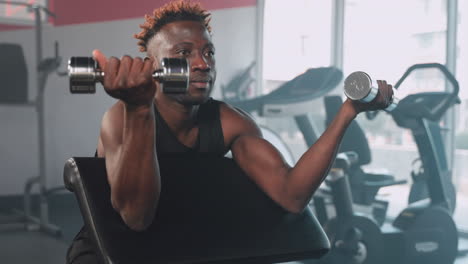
254,153
263,163
257,157
250,150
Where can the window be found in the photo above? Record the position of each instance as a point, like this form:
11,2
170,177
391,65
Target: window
461,139
19,14
382,38
296,37
385,46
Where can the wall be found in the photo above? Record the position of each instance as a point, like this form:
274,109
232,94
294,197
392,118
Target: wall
72,121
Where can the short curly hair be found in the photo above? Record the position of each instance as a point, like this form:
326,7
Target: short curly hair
181,10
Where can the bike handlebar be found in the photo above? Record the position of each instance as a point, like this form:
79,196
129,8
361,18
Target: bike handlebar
439,66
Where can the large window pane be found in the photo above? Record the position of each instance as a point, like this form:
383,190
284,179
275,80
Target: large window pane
384,38
13,13
297,36
461,152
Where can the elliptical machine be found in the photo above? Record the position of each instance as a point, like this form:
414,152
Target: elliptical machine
425,231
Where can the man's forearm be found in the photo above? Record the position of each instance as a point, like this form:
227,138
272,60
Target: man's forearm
135,182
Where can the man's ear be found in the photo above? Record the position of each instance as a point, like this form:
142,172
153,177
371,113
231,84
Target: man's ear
155,59
156,63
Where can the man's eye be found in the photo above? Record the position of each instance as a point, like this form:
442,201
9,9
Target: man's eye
209,53
183,52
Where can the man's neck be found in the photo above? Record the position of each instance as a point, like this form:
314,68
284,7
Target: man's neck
181,118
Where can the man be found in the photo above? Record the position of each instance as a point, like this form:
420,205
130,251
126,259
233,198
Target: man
146,122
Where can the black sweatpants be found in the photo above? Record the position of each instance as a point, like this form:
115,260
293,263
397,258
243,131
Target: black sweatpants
82,250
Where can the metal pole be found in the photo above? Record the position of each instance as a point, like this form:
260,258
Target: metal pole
337,33
451,61
40,119
259,47
41,80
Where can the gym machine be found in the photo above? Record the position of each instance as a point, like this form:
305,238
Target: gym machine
45,66
425,231
364,185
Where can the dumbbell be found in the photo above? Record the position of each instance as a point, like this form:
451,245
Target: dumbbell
358,86
84,72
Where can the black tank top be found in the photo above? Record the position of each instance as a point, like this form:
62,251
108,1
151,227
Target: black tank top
210,140
210,133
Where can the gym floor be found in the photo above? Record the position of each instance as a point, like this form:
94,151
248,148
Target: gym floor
25,247
19,246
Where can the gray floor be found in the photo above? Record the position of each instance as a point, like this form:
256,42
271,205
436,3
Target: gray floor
18,247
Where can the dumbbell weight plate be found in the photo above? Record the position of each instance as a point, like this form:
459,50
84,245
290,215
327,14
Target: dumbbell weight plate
83,73
358,86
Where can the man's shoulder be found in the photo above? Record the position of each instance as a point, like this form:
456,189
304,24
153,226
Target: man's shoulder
229,111
236,121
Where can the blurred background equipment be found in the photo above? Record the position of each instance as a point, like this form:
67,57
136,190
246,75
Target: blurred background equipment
292,99
14,76
425,231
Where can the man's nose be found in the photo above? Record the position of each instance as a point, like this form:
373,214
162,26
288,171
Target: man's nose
200,63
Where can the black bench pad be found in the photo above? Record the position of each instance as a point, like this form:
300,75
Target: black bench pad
209,212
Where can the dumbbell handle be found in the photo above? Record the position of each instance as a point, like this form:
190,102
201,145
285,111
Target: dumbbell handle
84,72
358,86
97,75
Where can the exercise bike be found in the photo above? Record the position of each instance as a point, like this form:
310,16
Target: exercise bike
364,185
425,231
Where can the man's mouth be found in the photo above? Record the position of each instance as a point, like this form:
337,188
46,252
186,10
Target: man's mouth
200,84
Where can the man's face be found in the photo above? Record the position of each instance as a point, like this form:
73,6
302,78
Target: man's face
190,40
